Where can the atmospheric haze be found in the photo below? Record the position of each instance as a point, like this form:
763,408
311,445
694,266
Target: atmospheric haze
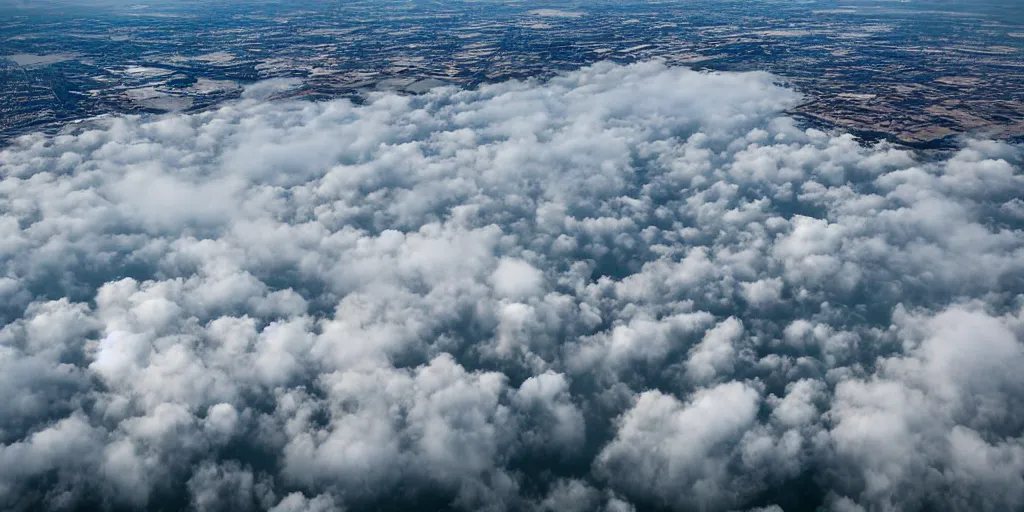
625,288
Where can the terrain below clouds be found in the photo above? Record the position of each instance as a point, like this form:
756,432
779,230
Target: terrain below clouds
625,288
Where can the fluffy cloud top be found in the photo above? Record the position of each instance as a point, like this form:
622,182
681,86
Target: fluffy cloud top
625,288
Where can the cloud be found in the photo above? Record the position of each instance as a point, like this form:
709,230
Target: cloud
625,288
265,89
677,452
934,425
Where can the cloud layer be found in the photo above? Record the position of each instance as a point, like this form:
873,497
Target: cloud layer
627,288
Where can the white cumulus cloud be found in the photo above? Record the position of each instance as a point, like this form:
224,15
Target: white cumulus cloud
624,288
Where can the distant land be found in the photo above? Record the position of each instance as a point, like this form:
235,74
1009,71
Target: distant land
920,73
